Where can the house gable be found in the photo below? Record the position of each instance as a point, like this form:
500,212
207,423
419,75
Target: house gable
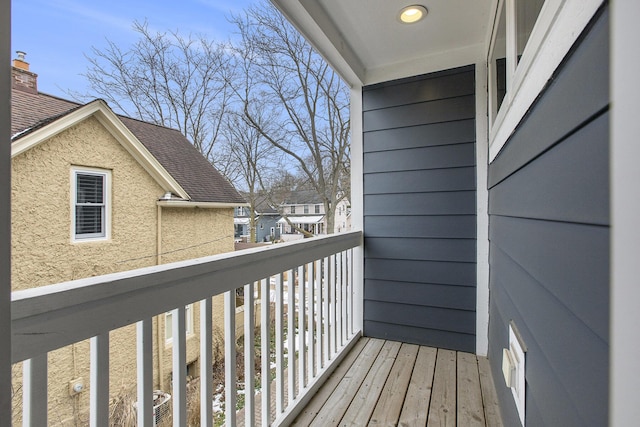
99,109
43,210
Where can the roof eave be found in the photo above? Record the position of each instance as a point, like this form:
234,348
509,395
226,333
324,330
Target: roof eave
204,205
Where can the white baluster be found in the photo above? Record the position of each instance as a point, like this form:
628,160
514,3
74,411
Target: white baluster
144,360
279,345
265,341
230,356
179,374
249,356
206,363
99,383
34,393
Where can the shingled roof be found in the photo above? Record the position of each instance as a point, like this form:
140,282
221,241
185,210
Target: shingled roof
202,182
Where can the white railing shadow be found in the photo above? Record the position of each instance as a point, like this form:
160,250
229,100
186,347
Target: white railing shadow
309,283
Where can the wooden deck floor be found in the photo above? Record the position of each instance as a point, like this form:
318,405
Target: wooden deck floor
387,383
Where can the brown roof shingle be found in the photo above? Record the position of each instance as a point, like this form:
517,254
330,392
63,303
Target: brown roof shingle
173,150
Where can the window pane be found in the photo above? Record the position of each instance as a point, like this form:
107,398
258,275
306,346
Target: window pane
89,219
89,188
527,12
498,65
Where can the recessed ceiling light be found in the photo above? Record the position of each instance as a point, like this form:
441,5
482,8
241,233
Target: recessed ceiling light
412,14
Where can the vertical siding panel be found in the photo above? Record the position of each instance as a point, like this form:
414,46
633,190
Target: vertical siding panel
419,170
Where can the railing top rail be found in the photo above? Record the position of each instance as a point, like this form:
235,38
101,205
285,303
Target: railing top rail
50,317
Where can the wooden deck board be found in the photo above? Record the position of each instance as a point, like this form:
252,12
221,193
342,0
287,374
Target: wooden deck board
319,399
489,397
387,411
392,384
337,404
470,410
365,400
418,398
442,411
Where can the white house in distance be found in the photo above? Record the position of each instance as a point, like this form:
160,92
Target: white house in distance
305,211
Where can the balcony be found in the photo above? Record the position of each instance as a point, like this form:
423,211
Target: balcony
324,363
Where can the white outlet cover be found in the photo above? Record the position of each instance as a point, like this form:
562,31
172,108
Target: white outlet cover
518,383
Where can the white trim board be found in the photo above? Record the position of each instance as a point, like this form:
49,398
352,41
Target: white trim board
624,371
482,213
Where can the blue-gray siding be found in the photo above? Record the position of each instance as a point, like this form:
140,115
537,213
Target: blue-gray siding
549,253
419,210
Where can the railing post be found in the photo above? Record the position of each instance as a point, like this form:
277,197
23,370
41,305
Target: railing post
332,307
326,313
338,300
291,335
179,373
99,384
301,311
206,363
279,345
34,391
311,319
265,340
249,355
144,359
345,295
319,313
230,356
358,289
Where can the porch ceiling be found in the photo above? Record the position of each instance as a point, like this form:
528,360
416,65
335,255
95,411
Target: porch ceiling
366,43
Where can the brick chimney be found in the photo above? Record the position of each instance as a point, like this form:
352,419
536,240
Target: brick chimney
21,77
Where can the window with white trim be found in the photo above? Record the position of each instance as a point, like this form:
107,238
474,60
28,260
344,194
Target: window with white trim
168,323
514,23
91,204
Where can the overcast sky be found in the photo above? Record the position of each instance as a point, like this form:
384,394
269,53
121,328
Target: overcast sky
56,34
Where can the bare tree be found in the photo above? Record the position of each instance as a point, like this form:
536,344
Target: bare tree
307,101
255,160
167,79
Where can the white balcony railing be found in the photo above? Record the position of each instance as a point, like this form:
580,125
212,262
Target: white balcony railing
310,281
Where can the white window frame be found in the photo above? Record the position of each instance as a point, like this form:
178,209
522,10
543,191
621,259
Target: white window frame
106,233
188,321
558,26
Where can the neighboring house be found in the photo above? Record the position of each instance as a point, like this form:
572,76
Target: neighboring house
305,210
342,221
96,193
267,228
241,223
